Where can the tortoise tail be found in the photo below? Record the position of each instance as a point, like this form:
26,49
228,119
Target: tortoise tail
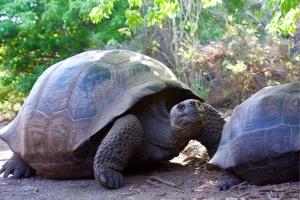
8,134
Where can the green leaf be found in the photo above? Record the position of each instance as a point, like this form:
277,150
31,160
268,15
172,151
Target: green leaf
134,18
285,6
274,13
102,11
261,14
133,3
95,16
125,31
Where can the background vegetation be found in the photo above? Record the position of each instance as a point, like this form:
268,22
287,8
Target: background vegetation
225,50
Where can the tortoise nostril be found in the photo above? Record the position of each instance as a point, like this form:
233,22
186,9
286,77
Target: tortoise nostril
192,103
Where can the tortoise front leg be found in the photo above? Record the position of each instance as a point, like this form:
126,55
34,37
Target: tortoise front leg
18,167
211,133
116,150
227,180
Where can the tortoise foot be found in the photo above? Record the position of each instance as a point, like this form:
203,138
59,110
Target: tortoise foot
116,149
18,167
109,178
227,180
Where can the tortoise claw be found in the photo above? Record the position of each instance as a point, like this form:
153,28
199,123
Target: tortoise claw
7,170
16,166
2,170
110,178
224,187
17,173
29,172
227,180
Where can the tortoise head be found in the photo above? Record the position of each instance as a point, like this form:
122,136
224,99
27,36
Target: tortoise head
187,119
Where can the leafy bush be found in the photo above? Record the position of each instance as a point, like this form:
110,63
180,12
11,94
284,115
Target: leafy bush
35,34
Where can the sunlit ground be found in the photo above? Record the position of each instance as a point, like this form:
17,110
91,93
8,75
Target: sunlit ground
194,152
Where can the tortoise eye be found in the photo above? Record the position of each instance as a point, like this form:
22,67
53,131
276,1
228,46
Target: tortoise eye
180,107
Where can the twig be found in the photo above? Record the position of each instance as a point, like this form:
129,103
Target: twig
152,183
271,189
155,178
131,193
243,183
36,191
239,185
288,192
244,194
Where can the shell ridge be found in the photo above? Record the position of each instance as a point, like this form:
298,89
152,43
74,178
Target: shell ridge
45,82
52,120
121,81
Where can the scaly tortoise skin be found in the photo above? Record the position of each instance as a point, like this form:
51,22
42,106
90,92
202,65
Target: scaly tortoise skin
261,141
97,112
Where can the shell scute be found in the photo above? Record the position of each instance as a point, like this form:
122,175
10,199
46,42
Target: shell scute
55,93
278,142
96,88
33,129
291,110
235,160
264,112
60,132
254,147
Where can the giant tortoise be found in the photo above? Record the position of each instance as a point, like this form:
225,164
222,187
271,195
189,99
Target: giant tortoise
261,141
99,111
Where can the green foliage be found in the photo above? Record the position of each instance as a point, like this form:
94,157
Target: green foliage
35,34
157,10
284,20
212,25
160,10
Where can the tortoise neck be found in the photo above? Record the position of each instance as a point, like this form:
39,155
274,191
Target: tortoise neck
158,109
179,136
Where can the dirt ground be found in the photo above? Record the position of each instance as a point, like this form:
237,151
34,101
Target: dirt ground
183,177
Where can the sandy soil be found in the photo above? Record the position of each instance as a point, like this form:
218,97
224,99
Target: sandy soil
184,177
